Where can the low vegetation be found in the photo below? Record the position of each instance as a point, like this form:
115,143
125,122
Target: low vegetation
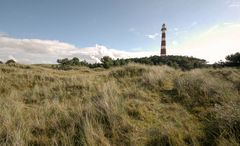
232,60
178,62
129,105
11,61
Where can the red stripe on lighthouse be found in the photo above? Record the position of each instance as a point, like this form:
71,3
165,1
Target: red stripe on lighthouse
163,42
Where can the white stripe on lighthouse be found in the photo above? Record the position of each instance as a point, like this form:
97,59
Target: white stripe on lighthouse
163,42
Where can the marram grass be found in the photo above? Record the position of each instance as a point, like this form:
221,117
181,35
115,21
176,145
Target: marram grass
130,105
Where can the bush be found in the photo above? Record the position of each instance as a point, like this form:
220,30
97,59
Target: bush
107,62
233,60
65,64
11,61
1,62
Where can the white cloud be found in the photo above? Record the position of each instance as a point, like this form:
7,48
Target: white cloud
194,23
213,44
33,50
228,23
11,57
152,36
48,51
174,43
233,3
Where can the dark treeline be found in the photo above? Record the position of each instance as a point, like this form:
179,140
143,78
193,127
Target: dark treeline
11,61
232,60
183,62
178,62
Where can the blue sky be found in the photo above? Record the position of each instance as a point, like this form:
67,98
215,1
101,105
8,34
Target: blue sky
119,25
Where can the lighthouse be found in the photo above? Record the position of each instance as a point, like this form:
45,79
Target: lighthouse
163,43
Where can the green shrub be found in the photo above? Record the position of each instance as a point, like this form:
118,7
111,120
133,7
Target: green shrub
233,60
11,61
107,62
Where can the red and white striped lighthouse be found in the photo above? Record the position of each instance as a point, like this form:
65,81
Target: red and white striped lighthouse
163,43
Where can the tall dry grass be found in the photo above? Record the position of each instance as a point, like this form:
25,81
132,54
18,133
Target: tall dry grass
129,105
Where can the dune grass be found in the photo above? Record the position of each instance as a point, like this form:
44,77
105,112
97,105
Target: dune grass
129,105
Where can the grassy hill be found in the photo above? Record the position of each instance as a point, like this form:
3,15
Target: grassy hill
130,105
